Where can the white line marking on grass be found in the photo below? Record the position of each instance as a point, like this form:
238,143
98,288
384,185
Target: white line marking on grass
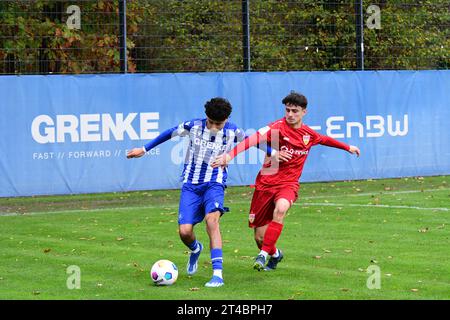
7,214
364,194
368,206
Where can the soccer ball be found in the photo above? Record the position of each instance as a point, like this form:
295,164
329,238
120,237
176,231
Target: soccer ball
164,273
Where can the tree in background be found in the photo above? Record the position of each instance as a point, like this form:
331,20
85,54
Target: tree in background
198,35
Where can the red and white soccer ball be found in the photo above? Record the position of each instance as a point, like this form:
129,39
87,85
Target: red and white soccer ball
164,273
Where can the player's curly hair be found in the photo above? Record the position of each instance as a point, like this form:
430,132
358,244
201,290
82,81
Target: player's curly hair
218,109
295,99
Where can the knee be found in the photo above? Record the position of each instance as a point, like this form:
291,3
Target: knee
185,233
212,221
280,212
278,215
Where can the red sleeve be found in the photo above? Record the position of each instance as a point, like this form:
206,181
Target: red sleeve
330,142
249,142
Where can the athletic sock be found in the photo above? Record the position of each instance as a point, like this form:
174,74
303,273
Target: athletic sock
264,253
218,273
276,254
271,236
194,247
217,261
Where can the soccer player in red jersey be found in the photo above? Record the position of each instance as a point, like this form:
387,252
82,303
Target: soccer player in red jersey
277,183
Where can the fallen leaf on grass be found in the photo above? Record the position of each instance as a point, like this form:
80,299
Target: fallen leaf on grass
423,230
194,289
120,238
415,290
137,266
294,295
47,250
88,239
317,257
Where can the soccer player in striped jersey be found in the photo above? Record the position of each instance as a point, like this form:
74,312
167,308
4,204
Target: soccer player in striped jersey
276,187
202,193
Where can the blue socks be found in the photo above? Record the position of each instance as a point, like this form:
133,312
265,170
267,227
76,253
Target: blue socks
194,245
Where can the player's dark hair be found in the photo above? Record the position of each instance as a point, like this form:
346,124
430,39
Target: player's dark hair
218,109
295,99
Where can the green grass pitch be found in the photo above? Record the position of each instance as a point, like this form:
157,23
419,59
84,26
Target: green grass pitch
332,235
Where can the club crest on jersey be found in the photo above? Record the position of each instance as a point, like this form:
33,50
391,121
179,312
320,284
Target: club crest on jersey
306,139
251,217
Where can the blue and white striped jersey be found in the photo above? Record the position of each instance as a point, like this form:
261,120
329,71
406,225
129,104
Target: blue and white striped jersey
204,147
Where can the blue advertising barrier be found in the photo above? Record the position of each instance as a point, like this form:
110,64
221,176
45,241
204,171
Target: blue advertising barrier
70,134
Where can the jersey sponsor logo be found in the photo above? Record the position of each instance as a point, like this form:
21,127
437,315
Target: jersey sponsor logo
296,152
306,139
210,145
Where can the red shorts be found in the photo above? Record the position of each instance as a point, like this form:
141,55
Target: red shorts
263,204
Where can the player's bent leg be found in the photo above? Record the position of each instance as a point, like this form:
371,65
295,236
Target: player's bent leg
187,235
271,235
186,232
275,228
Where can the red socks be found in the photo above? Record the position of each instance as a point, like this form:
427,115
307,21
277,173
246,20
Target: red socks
271,236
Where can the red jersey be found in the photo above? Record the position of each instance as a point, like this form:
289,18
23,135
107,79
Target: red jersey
297,142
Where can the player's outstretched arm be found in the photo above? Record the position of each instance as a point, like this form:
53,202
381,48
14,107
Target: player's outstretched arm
135,153
354,150
248,142
163,137
331,142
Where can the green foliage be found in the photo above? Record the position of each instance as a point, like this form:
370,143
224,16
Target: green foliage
197,35
414,35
